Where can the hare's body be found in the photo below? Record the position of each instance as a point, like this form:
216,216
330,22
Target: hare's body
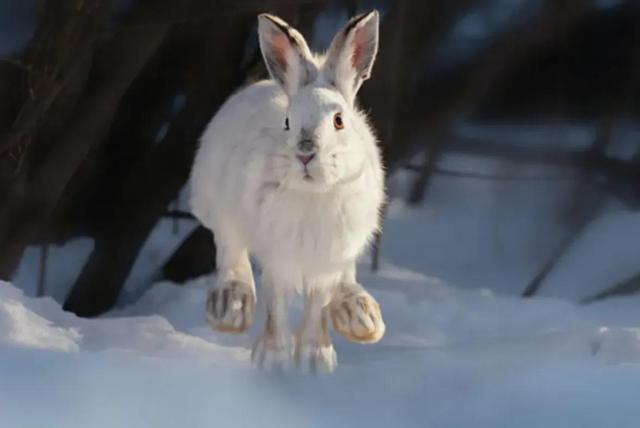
236,192
289,171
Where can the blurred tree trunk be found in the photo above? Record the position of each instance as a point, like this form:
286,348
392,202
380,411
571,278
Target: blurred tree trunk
409,32
94,115
216,50
195,257
627,287
458,92
409,35
143,198
589,197
425,174
429,106
588,201
57,65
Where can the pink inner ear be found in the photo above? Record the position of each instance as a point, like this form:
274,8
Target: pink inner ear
359,39
280,45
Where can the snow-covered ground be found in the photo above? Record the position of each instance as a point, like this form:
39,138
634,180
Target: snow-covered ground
453,356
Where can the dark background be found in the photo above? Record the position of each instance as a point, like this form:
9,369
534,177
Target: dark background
102,103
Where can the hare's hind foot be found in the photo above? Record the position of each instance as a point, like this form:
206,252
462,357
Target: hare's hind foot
356,314
314,352
313,356
273,348
272,353
231,307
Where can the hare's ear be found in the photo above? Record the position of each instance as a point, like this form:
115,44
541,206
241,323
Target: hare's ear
285,54
352,53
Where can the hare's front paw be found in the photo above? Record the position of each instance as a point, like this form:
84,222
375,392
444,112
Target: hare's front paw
272,352
356,315
231,307
314,357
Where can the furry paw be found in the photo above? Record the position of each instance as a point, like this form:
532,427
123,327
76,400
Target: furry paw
231,307
356,315
271,353
315,358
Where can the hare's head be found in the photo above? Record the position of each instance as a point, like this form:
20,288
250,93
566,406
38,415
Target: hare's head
327,140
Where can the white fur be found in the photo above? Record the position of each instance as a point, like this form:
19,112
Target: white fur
250,189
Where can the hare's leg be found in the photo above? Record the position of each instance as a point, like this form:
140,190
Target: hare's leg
354,312
231,303
273,347
314,351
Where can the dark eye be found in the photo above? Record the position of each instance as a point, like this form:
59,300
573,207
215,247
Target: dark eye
338,123
286,124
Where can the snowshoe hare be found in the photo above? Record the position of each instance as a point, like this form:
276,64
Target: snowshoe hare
289,171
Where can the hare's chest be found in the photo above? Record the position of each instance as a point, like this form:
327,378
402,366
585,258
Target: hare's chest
314,232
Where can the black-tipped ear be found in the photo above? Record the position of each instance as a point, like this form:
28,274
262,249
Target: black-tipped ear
352,53
285,54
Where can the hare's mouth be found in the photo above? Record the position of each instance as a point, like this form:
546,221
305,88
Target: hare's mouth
307,177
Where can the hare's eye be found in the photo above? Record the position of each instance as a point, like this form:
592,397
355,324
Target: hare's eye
338,123
286,124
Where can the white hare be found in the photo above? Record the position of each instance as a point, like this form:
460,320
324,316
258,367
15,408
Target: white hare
289,171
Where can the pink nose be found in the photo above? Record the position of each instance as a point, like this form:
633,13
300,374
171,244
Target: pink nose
305,159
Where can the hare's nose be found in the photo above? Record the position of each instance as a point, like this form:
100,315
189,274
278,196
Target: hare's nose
306,151
305,159
307,146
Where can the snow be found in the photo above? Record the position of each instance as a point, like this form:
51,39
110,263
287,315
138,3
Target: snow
589,268
63,267
452,357
561,136
65,262
462,349
479,233
497,234
23,327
